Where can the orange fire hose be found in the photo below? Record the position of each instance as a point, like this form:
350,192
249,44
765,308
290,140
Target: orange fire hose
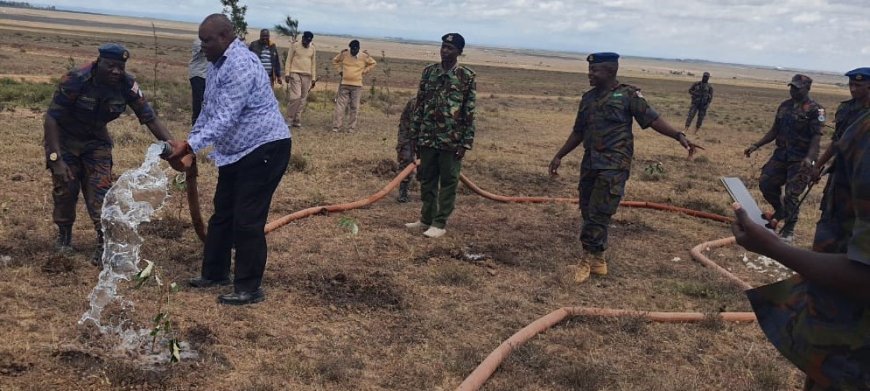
483,371
486,368
190,176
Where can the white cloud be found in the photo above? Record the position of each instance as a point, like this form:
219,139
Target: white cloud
745,31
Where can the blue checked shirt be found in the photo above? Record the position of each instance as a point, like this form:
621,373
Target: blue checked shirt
239,109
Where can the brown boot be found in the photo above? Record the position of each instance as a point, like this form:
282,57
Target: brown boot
597,264
582,272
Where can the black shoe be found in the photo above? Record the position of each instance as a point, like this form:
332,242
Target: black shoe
242,298
202,282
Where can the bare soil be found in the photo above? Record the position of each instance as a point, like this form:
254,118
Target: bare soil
388,308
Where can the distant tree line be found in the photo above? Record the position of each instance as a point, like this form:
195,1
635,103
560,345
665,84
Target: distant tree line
23,4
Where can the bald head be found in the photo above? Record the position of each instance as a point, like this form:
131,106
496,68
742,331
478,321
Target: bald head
216,34
219,22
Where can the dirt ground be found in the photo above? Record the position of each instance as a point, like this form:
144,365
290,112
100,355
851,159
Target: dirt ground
388,308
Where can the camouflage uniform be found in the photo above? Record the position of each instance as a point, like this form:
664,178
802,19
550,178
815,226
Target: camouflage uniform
604,123
82,107
823,333
443,122
796,124
405,145
847,112
702,95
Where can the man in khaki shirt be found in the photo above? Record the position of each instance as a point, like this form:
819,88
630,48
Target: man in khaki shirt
352,66
301,68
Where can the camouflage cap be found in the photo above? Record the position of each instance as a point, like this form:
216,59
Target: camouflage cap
800,81
114,51
859,74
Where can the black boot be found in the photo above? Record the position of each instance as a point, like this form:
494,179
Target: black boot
403,192
64,239
97,258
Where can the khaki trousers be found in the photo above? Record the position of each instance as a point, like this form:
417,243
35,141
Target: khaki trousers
299,85
347,103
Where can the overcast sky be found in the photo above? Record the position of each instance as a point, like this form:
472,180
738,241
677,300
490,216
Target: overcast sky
830,35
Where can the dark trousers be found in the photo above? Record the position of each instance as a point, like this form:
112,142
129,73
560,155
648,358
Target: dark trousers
241,206
197,89
600,194
701,110
777,174
438,168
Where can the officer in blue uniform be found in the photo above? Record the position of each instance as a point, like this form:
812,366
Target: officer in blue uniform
78,148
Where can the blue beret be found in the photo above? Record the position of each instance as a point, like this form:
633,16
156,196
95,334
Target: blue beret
859,74
114,51
596,58
455,39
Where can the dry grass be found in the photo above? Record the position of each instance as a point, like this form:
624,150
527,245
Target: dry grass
388,308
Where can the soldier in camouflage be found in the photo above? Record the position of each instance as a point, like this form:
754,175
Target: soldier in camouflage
78,148
443,126
603,125
818,318
405,147
797,130
702,95
847,112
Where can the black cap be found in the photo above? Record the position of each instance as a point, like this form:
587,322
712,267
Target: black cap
308,34
455,39
597,58
114,51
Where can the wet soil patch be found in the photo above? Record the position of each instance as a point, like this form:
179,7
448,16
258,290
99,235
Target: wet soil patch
372,290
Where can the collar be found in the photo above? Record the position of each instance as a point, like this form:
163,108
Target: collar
233,45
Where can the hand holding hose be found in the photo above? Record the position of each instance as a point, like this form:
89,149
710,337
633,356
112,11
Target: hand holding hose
181,158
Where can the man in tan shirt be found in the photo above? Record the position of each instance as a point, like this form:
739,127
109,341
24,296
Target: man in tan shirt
352,66
301,68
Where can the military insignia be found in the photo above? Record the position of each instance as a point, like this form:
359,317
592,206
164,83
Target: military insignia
617,95
125,55
859,77
821,115
136,89
449,38
591,58
639,95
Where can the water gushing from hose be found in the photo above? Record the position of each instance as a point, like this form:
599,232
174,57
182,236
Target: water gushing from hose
134,197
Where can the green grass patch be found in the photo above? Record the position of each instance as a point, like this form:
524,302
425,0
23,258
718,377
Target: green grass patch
15,93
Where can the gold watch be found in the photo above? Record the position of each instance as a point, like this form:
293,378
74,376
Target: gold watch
52,156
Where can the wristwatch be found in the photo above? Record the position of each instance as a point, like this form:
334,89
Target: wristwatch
52,156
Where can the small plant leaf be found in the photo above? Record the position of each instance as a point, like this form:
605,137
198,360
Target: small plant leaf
174,351
145,273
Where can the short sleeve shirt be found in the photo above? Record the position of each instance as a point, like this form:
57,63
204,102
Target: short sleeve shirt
82,107
796,124
604,121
